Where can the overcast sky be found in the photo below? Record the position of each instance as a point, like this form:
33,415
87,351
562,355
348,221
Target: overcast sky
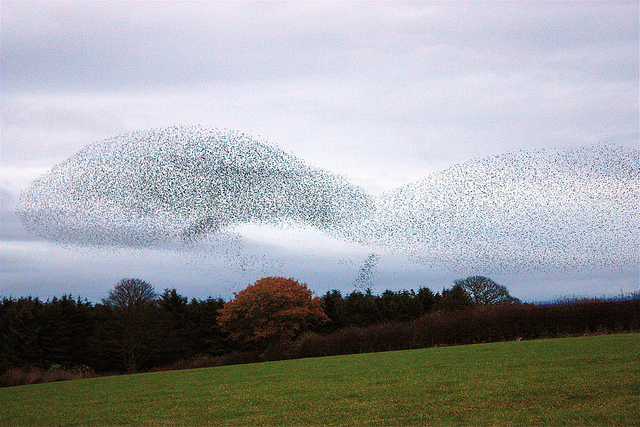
383,93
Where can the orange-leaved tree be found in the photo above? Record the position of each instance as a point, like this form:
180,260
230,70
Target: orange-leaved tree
273,309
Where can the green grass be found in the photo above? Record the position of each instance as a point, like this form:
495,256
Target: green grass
569,381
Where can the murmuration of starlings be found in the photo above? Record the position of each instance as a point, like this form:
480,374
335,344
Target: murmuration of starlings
539,210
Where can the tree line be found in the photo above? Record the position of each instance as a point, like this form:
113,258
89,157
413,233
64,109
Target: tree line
135,330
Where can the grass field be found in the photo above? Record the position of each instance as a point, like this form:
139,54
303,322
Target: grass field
569,381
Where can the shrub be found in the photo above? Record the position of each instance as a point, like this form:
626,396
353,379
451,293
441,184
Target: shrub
34,375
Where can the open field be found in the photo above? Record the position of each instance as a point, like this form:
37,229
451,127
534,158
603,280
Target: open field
569,381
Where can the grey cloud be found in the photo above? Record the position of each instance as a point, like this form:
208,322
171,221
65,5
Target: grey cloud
105,46
11,228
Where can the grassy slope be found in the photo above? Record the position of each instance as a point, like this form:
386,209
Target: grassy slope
571,381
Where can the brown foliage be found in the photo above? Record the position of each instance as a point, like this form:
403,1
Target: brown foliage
504,322
34,375
273,309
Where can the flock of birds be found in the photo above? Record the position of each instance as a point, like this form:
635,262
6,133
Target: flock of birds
541,210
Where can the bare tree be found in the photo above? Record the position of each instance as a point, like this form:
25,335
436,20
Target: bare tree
131,293
131,333
484,291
